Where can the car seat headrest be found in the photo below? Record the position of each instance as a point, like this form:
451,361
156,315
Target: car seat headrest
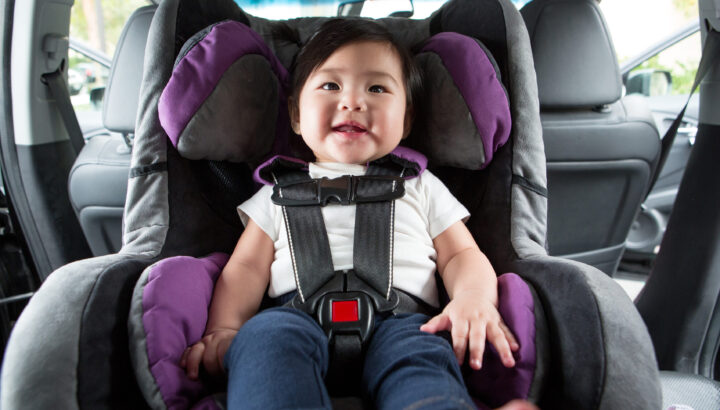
226,97
226,100
122,94
574,56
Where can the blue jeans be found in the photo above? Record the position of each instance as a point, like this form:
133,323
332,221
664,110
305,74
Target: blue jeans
279,358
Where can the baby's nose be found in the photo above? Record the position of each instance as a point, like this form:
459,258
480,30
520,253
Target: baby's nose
352,101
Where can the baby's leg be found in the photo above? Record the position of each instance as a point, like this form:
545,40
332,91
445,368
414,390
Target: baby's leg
278,359
407,368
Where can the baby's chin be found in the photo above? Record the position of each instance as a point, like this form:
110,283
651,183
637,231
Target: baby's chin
352,157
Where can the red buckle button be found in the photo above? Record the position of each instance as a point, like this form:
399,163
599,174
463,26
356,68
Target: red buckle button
345,311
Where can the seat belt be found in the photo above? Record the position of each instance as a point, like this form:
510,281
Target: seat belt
343,302
59,91
710,54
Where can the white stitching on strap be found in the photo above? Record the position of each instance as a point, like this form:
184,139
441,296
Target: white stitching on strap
392,238
292,255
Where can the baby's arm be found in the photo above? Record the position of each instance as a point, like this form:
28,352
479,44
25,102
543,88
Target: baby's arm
472,315
237,296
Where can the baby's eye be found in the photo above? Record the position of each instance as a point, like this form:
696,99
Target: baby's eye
330,86
377,89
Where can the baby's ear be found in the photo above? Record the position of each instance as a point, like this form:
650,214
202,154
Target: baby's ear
294,115
409,117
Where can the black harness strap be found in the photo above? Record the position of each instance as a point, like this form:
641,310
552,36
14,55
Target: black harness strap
358,294
374,232
307,238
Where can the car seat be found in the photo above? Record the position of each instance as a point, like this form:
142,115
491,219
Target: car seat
601,147
70,348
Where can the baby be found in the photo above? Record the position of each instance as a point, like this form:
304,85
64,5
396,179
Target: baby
352,103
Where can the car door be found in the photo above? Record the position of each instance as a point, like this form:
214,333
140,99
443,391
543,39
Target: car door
664,74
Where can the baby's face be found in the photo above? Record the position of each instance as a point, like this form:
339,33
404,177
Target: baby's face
352,107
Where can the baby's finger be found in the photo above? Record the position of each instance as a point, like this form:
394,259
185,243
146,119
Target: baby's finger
476,345
222,348
514,345
459,333
436,324
497,337
210,360
183,358
193,360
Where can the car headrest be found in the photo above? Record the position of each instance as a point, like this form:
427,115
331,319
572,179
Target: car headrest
574,56
226,100
120,103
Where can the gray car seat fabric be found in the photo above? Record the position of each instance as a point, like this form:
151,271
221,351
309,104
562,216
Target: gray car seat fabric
601,149
601,355
697,392
98,179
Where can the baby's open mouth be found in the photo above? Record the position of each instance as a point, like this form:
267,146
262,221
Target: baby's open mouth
349,128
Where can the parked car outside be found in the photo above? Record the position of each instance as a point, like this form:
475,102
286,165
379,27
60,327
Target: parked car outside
76,81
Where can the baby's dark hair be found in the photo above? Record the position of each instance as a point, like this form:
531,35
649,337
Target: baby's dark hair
336,33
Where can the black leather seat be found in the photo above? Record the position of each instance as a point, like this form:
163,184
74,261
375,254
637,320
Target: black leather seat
98,179
601,148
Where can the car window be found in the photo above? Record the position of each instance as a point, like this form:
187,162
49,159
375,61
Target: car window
287,9
95,27
671,71
636,25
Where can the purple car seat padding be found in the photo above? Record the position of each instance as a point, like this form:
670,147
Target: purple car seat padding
400,151
495,384
476,78
199,71
177,297
175,304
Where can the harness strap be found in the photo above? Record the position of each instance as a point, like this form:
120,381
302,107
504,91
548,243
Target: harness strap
301,198
307,238
344,303
345,370
374,233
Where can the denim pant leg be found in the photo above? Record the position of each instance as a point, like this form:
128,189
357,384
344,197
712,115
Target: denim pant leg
278,360
409,369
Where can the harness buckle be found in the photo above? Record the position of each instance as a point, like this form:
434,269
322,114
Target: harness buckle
347,314
337,190
344,190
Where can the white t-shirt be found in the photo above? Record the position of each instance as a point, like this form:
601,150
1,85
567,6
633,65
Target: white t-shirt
423,213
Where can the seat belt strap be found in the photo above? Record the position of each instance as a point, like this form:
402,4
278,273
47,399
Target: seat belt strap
374,233
59,91
345,369
307,238
710,55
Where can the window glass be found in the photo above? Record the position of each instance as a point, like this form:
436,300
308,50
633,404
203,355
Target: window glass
98,23
286,9
680,60
636,25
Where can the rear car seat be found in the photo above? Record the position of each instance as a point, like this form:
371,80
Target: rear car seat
601,148
98,179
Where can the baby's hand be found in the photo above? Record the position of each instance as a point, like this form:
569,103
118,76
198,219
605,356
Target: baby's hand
209,351
471,320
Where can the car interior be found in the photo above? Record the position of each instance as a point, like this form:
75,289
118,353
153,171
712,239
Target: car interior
105,217
601,146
